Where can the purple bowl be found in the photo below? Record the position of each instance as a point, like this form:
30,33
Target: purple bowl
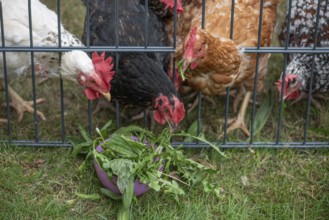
139,187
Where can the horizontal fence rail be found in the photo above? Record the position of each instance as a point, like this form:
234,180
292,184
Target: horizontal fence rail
117,49
125,49
29,143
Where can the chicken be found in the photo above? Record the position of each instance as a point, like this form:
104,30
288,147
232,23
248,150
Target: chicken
164,8
214,62
183,25
189,9
301,34
140,79
75,64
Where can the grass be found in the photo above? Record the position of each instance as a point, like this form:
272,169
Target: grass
262,184
256,184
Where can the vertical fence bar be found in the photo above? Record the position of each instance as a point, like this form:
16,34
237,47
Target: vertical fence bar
89,103
175,24
173,79
232,19
117,105
308,106
203,14
145,118
227,102
199,113
88,23
116,21
117,115
117,57
36,132
5,73
283,76
89,112
315,40
61,87
256,71
146,23
199,94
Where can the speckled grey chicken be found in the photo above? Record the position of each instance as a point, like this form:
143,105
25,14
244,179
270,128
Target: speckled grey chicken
299,69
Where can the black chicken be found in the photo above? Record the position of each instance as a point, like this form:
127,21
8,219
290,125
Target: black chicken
141,79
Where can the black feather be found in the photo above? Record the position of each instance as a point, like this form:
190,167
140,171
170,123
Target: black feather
141,77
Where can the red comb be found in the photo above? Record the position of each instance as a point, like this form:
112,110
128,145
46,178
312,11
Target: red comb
189,48
193,33
103,68
171,4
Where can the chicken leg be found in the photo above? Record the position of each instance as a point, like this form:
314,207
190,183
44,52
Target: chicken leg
195,103
238,122
2,120
22,106
239,96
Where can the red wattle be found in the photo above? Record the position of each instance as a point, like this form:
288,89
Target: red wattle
91,94
293,95
159,118
194,65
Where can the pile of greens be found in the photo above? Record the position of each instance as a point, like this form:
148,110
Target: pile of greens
132,153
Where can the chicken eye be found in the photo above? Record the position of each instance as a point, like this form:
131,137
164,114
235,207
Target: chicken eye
292,82
92,81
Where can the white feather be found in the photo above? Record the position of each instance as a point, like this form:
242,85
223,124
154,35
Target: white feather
44,33
74,62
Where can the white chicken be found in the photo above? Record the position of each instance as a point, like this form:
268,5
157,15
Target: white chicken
76,65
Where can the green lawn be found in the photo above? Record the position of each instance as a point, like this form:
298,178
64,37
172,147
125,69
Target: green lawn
255,184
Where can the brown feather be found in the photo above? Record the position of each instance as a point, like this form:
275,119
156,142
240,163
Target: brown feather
224,65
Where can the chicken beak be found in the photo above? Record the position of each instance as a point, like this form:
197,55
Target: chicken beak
283,98
99,82
172,126
107,95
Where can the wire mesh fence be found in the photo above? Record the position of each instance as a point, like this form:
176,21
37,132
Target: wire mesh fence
36,133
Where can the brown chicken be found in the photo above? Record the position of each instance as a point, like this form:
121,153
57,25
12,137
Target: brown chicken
213,61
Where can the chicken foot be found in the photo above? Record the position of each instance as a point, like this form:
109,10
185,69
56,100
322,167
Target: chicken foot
22,106
196,101
238,121
2,120
104,104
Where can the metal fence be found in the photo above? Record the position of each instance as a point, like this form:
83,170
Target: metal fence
277,143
